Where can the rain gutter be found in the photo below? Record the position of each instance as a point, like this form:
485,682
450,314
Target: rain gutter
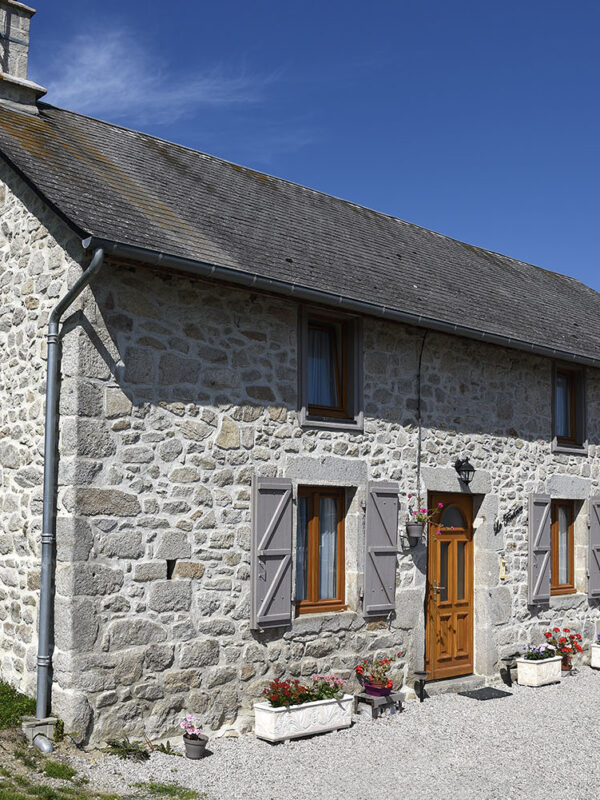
291,289
50,471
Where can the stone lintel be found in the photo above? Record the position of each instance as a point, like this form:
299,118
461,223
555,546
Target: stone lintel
327,470
445,479
569,487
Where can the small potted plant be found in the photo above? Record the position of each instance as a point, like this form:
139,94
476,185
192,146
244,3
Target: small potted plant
373,675
418,517
194,739
539,666
595,655
295,709
566,645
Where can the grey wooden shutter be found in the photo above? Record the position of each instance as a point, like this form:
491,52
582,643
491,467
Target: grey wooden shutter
271,556
540,549
381,542
594,551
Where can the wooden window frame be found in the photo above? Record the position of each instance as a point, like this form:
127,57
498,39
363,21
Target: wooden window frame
575,441
555,586
339,354
313,604
348,414
571,377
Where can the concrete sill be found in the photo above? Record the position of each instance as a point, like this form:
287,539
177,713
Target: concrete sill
569,450
562,602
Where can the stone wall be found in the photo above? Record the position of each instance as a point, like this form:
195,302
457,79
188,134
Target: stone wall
185,390
175,393
38,256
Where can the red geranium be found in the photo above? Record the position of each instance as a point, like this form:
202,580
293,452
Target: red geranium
564,645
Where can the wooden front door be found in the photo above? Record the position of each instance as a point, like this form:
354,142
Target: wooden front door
449,604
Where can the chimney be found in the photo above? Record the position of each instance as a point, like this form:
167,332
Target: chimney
16,91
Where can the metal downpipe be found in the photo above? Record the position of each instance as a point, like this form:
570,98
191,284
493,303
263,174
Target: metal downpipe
50,469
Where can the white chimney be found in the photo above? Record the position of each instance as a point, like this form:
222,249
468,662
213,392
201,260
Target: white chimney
16,91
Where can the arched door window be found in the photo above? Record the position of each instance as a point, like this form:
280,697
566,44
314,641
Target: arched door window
452,517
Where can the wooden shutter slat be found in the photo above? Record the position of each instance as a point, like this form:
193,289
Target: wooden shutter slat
381,549
271,557
594,548
540,549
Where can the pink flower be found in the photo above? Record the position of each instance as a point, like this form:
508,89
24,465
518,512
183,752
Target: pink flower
423,511
438,531
409,496
440,505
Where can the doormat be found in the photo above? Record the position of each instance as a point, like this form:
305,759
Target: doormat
486,693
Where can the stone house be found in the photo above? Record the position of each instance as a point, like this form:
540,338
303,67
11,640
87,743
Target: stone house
250,383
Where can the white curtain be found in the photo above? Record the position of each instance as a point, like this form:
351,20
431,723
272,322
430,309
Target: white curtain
321,377
301,548
563,545
562,406
328,548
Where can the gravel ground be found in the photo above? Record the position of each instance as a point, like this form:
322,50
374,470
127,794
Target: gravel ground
535,744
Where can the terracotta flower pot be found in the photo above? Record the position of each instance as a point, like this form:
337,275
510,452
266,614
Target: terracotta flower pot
194,748
567,662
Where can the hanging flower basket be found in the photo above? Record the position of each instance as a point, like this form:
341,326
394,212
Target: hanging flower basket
415,531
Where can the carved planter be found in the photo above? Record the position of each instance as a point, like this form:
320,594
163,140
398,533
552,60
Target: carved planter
290,722
538,673
595,656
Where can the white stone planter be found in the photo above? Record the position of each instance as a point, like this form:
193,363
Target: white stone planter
289,722
538,673
595,656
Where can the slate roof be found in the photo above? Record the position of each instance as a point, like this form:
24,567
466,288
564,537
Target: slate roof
134,189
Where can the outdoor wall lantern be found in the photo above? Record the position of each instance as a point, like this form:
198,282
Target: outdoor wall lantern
465,470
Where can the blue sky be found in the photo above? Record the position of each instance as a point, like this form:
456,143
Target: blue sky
479,120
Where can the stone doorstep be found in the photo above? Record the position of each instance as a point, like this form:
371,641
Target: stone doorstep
32,727
464,683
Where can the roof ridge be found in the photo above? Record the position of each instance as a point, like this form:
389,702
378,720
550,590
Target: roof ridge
318,192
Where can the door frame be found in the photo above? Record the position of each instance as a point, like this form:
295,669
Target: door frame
466,504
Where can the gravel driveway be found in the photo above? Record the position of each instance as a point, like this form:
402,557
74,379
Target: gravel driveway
535,744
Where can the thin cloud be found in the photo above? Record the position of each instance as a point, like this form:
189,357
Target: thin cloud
120,81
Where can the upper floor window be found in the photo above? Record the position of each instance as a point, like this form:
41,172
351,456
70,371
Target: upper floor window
327,368
330,370
569,407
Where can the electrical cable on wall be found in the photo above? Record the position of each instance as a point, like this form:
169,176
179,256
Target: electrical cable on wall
419,414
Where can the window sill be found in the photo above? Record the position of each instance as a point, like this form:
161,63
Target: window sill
356,425
562,602
569,449
330,621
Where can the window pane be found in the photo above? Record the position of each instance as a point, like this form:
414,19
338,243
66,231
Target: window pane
328,548
460,570
563,545
302,549
443,593
322,357
563,405
452,518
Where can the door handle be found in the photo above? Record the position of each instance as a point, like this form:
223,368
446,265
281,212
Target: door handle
437,588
